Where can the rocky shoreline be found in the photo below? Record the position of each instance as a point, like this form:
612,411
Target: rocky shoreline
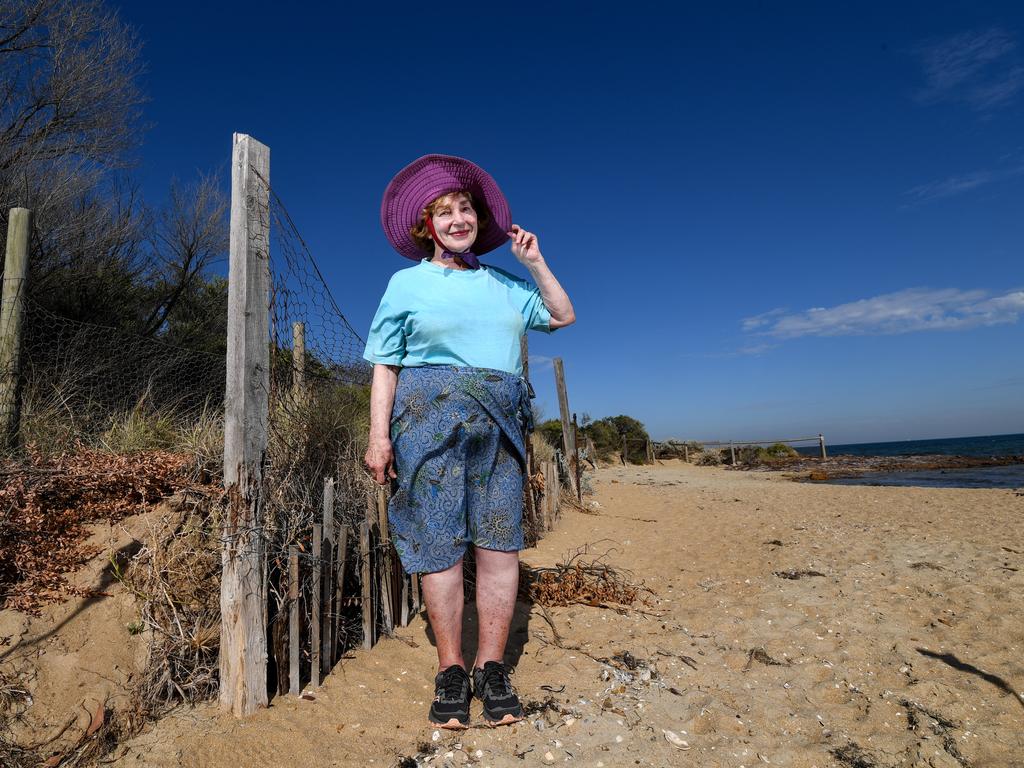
805,468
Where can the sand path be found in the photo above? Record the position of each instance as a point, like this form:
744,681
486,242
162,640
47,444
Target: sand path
906,651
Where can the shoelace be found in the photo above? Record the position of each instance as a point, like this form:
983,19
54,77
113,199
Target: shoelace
496,682
452,684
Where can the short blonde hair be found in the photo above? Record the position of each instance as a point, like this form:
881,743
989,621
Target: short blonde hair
421,234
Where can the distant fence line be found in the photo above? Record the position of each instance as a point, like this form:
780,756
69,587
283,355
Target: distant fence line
732,444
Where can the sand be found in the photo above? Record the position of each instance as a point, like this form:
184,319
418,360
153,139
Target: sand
905,651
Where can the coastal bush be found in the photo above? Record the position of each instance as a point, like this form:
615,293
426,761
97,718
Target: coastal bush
779,451
606,434
749,454
708,459
551,431
635,434
607,442
674,450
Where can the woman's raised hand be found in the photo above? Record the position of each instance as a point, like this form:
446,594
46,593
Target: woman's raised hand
525,246
381,460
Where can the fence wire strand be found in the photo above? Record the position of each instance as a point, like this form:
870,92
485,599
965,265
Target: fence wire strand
80,380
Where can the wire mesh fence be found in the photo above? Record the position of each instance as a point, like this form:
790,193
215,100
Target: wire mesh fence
84,382
316,431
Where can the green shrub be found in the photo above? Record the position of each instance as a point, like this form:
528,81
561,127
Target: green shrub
779,451
551,431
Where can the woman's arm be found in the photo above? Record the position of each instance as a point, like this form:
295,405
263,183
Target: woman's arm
379,456
526,248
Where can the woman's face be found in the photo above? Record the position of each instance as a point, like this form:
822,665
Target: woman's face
455,223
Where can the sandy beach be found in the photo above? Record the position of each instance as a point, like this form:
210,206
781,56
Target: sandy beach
790,624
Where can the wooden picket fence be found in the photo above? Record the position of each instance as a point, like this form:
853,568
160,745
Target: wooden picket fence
356,568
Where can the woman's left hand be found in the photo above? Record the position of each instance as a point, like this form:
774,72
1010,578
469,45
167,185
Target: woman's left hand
525,246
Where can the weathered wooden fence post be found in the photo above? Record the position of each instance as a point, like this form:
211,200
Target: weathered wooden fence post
384,562
298,359
293,620
821,443
417,601
330,556
530,496
366,587
568,441
19,224
576,458
243,594
339,589
553,489
316,607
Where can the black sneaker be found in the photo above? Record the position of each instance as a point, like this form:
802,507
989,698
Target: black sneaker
450,708
491,685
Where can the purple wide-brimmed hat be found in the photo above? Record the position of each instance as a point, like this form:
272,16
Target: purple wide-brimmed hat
425,180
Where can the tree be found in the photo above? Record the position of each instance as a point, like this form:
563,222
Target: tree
69,122
69,127
551,431
607,434
188,235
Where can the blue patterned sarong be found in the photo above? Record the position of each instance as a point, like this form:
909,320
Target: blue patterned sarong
458,435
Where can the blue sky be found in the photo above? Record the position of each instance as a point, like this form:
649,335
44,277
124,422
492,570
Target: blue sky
773,221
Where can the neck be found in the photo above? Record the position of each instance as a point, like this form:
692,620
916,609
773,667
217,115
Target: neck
452,260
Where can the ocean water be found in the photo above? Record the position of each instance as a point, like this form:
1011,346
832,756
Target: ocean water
988,445
1011,476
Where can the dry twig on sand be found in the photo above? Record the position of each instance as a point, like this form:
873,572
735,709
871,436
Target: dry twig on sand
569,499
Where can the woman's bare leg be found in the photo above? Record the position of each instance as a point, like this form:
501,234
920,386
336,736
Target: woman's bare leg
497,583
442,592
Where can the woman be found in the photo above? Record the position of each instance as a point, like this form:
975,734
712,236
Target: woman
449,409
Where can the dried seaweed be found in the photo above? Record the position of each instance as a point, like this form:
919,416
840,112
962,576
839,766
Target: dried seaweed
579,580
761,656
794,575
853,755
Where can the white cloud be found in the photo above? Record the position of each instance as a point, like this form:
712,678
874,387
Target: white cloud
541,362
955,185
756,350
913,309
979,67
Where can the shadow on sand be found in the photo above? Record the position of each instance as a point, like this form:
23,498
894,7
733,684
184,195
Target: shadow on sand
963,666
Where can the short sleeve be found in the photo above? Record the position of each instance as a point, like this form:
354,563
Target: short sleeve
386,341
535,314
527,299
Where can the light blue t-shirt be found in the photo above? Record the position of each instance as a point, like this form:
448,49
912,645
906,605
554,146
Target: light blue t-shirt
433,315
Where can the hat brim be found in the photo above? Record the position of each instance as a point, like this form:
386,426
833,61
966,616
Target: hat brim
427,179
